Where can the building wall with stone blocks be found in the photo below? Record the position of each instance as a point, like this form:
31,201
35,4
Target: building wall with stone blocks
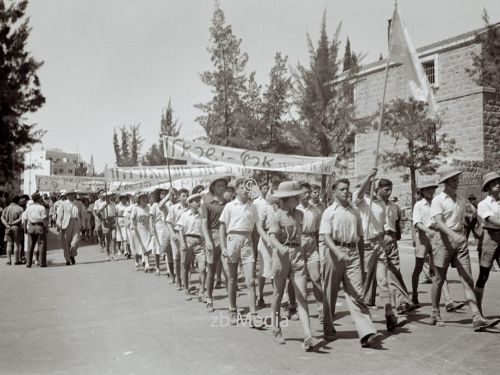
464,107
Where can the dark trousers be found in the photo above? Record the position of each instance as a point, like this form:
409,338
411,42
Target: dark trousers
33,240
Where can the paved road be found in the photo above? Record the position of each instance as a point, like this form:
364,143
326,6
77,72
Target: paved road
105,318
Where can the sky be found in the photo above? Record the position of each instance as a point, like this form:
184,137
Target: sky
109,63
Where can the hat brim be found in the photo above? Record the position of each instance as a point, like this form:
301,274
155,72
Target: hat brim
287,194
487,181
191,197
456,173
226,179
428,186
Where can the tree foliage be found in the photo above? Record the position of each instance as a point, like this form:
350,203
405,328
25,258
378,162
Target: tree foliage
168,127
128,154
419,144
222,114
20,91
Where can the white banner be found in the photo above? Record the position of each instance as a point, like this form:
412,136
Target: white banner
180,149
154,174
82,184
134,186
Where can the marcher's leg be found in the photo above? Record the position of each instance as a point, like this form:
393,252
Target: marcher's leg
249,272
300,286
278,290
333,271
313,269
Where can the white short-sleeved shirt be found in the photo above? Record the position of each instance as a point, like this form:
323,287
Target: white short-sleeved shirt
190,223
174,213
265,211
422,213
488,207
238,216
312,218
377,215
159,215
453,211
392,216
342,223
36,213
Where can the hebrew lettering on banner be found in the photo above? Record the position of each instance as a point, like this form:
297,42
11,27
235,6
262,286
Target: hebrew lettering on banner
181,149
82,184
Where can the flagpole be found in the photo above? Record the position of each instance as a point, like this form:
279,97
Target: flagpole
168,164
381,120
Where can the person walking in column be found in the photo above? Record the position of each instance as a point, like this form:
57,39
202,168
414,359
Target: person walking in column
237,222
68,217
139,225
423,248
471,222
450,246
309,242
191,244
211,209
98,204
107,214
11,219
121,228
342,230
374,254
37,224
488,212
285,234
160,238
174,213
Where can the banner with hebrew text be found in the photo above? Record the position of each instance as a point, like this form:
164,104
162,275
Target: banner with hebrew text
81,184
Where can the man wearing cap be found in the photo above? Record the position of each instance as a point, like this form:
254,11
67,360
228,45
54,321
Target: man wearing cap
191,244
237,220
211,209
107,213
423,248
488,212
37,224
309,240
450,246
373,218
343,232
68,218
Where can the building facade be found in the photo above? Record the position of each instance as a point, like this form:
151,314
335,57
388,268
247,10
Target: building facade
469,112
47,163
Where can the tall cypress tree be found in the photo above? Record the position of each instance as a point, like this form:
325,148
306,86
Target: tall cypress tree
19,88
116,147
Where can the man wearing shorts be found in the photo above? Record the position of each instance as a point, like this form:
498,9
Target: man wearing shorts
237,221
174,213
449,246
488,212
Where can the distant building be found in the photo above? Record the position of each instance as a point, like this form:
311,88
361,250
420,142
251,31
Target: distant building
47,163
467,111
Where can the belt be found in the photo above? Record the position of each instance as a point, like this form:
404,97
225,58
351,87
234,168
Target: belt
293,244
241,232
193,236
344,244
40,223
390,232
309,234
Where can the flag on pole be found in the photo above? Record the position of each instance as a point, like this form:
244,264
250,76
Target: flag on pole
401,51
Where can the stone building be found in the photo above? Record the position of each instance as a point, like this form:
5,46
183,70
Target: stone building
470,112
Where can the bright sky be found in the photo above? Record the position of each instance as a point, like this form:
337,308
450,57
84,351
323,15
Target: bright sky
115,62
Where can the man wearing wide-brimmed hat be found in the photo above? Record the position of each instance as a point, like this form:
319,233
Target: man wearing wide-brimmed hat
285,233
450,246
423,248
68,222
211,209
488,212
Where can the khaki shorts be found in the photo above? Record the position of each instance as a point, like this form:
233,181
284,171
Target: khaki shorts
423,245
310,248
265,259
446,251
239,247
194,248
289,263
491,247
216,252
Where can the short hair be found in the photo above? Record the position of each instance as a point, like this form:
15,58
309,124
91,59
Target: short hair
340,181
239,181
16,199
198,189
262,184
315,187
384,182
305,184
183,190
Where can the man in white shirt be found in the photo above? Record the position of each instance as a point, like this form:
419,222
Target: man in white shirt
37,224
174,213
373,217
488,212
237,221
68,222
450,246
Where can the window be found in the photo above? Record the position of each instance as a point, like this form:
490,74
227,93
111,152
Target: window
429,71
70,171
430,65
61,170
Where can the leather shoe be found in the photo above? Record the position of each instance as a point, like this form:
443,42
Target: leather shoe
393,322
